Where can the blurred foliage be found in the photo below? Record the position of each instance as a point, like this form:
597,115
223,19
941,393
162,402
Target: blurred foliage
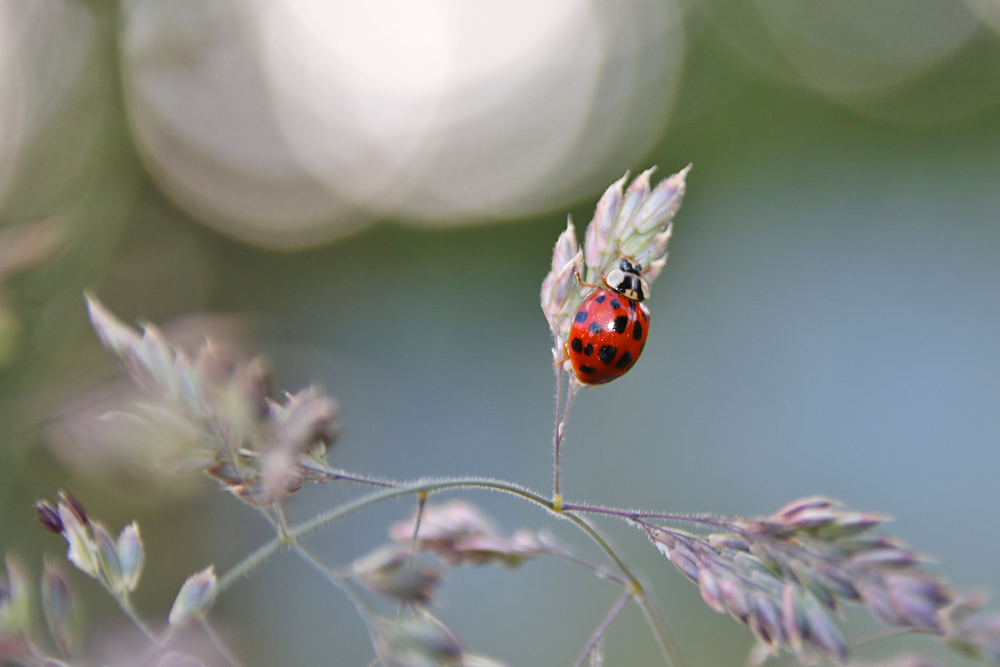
826,317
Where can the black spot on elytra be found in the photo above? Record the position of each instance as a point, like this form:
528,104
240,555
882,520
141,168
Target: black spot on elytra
642,347
624,361
589,350
607,353
616,304
588,370
581,316
601,298
577,345
595,328
637,331
620,323
645,316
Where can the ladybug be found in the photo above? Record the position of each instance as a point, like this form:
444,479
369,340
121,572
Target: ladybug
610,327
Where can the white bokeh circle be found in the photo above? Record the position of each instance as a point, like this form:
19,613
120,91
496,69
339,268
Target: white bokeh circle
287,122
47,52
892,59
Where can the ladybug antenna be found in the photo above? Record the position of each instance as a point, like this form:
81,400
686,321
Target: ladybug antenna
627,263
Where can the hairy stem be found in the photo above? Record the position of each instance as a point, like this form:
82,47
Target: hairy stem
560,430
335,578
421,504
603,627
662,634
218,642
335,475
707,520
557,431
668,646
296,533
125,602
250,562
266,551
600,570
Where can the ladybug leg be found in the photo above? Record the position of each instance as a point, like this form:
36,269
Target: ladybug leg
565,357
576,273
604,280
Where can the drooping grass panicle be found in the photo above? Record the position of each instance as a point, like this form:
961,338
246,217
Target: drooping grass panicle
260,449
458,532
391,572
905,660
418,640
974,634
421,640
784,575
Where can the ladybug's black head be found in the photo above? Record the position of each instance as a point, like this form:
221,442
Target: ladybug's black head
627,280
628,267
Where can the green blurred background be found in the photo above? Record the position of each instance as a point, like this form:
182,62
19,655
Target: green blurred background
827,321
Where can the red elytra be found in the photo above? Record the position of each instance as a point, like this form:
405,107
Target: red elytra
607,336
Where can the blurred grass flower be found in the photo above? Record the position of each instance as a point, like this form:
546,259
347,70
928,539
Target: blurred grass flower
196,595
970,633
390,571
130,555
15,609
62,616
783,575
458,532
560,289
260,450
418,641
117,564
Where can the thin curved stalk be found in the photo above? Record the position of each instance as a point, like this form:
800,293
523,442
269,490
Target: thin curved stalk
125,602
664,638
556,432
602,629
657,625
707,520
219,643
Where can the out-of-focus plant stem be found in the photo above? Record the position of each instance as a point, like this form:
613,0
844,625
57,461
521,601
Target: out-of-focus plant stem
296,533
